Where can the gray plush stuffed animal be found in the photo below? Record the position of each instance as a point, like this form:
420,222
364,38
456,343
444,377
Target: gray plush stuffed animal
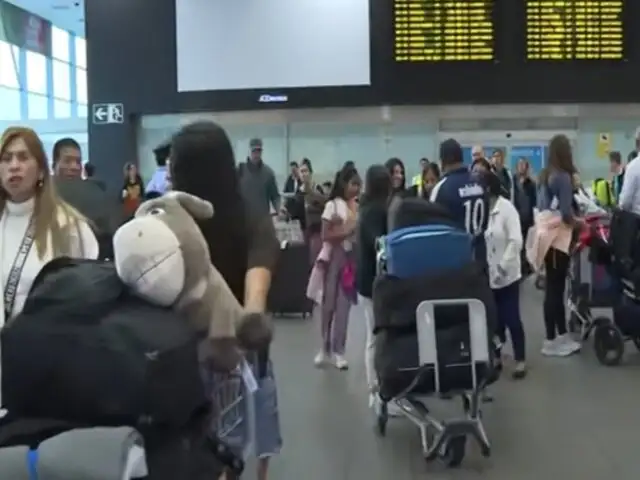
163,257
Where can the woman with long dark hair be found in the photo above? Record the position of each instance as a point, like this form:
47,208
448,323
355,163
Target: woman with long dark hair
132,190
243,247
338,286
556,194
372,224
430,176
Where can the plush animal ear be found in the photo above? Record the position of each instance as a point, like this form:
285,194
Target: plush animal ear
198,208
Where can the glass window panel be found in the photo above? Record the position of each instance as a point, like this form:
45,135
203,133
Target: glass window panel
61,80
81,52
60,44
37,107
10,101
82,111
61,109
36,73
81,86
8,63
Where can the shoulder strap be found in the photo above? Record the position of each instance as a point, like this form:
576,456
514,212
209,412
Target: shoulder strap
11,287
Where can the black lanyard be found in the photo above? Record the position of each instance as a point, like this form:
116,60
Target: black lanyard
11,287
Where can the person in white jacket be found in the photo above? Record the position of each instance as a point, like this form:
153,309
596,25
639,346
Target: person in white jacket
36,225
504,242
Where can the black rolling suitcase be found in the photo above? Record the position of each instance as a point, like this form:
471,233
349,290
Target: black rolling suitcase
288,293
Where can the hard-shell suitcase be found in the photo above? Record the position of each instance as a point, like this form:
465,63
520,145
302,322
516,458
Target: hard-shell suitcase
414,251
288,293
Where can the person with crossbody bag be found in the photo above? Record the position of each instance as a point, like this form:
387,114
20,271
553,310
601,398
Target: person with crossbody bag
36,226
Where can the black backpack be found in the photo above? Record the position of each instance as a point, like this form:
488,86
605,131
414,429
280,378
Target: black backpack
84,350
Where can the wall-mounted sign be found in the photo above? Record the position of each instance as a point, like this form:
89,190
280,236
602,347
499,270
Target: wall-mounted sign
108,113
273,99
604,144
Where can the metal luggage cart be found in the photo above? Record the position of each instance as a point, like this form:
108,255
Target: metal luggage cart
445,440
234,413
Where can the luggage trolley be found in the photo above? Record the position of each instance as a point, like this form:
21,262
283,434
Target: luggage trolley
234,416
446,440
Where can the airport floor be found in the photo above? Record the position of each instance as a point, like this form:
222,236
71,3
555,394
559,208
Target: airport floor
569,419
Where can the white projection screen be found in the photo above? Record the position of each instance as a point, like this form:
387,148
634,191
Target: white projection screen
267,44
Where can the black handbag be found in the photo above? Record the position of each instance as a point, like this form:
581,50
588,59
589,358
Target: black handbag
84,350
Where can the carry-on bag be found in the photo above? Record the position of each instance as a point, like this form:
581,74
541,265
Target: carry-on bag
414,251
288,292
84,350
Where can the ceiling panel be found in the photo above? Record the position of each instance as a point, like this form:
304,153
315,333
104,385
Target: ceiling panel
67,14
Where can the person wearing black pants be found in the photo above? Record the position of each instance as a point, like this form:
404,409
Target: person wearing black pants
556,264
504,241
556,195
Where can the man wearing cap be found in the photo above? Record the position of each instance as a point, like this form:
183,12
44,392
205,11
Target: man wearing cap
258,182
159,183
463,195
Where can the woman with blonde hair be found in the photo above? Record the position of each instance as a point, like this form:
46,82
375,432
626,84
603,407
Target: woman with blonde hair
36,226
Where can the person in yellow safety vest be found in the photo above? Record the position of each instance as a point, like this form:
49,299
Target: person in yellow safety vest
416,181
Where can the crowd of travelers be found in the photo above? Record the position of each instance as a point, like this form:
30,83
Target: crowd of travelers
67,210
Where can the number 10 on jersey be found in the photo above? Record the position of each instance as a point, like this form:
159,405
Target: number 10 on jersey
474,216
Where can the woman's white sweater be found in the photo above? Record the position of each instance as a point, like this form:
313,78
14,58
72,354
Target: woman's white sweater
13,226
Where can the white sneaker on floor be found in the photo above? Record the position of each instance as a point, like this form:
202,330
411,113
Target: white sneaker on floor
554,348
560,347
567,343
321,359
340,362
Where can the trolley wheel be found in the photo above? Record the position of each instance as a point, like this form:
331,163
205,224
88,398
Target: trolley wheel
454,451
608,343
540,282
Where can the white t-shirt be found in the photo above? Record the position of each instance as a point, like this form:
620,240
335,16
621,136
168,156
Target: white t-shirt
338,207
13,226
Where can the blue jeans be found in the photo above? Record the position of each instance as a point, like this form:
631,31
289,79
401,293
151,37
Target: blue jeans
508,309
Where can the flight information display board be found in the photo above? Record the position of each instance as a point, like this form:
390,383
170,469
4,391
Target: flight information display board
443,30
564,30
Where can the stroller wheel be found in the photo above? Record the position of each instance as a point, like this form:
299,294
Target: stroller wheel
608,344
455,451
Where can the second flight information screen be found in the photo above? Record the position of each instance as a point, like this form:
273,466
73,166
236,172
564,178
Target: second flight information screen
443,30
574,30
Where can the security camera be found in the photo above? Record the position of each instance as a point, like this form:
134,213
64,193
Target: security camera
508,135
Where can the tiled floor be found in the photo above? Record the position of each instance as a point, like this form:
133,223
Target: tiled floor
570,419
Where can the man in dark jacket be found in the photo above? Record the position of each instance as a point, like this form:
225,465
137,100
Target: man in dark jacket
497,162
258,182
617,173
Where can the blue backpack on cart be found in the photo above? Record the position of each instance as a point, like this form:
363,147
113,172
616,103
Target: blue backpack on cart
414,251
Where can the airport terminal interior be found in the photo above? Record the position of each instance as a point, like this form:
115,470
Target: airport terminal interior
571,418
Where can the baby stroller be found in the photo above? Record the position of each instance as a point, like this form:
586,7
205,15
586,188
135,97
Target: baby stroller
433,328
590,289
612,331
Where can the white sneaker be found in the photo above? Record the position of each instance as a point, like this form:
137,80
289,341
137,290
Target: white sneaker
340,362
321,359
555,348
568,344
560,347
